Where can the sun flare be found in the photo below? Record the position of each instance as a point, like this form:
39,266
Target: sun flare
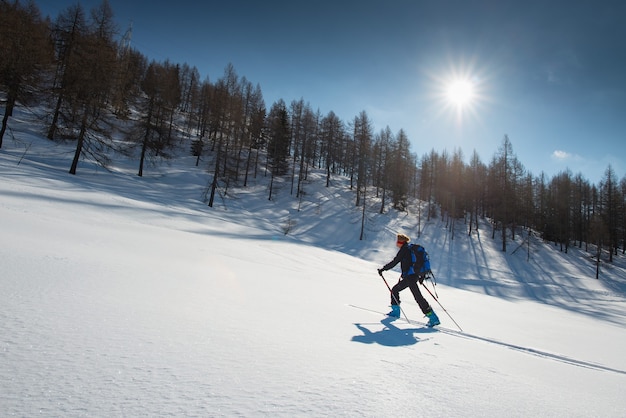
460,92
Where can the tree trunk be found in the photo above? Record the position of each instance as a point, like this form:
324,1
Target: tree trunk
8,111
598,252
248,159
363,215
216,173
79,144
55,118
144,146
146,138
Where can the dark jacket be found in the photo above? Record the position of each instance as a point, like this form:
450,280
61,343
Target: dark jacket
404,258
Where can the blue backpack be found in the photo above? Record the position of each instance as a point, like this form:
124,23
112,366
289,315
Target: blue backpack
420,260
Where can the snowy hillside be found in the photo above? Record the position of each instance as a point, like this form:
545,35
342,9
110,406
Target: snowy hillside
128,296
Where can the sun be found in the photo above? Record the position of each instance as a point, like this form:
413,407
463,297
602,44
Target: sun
460,93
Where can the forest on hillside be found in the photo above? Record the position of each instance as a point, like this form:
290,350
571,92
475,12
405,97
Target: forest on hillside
106,97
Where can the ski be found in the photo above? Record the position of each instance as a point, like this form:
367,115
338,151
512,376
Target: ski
409,321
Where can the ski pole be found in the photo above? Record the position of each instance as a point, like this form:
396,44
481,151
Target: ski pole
394,297
430,275
444,309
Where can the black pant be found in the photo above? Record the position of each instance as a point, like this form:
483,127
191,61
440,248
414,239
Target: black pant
411,283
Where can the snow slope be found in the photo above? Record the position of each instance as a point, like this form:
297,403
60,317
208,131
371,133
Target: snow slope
127,296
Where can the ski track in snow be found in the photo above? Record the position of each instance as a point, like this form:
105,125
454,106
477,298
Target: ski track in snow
527,350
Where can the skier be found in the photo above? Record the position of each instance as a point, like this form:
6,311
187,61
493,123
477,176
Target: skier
409,278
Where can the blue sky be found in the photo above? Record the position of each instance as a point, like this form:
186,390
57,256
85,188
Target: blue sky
549,74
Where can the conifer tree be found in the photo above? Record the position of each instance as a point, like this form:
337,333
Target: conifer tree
332,134
88,93
25,52
362,142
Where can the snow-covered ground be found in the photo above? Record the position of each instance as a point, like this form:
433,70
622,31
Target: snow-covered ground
128,296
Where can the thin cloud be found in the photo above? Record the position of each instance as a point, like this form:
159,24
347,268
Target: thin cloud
560,155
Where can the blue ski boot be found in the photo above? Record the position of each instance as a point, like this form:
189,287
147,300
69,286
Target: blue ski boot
433,319
395,311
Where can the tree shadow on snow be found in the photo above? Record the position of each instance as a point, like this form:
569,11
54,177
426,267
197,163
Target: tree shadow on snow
390,335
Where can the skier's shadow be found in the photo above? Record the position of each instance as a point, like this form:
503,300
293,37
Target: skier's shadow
390,335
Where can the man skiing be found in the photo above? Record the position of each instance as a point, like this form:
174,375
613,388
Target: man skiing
409,278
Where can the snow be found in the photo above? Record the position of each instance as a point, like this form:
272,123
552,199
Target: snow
128,296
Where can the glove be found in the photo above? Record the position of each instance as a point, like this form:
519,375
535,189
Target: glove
420,278
380,272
